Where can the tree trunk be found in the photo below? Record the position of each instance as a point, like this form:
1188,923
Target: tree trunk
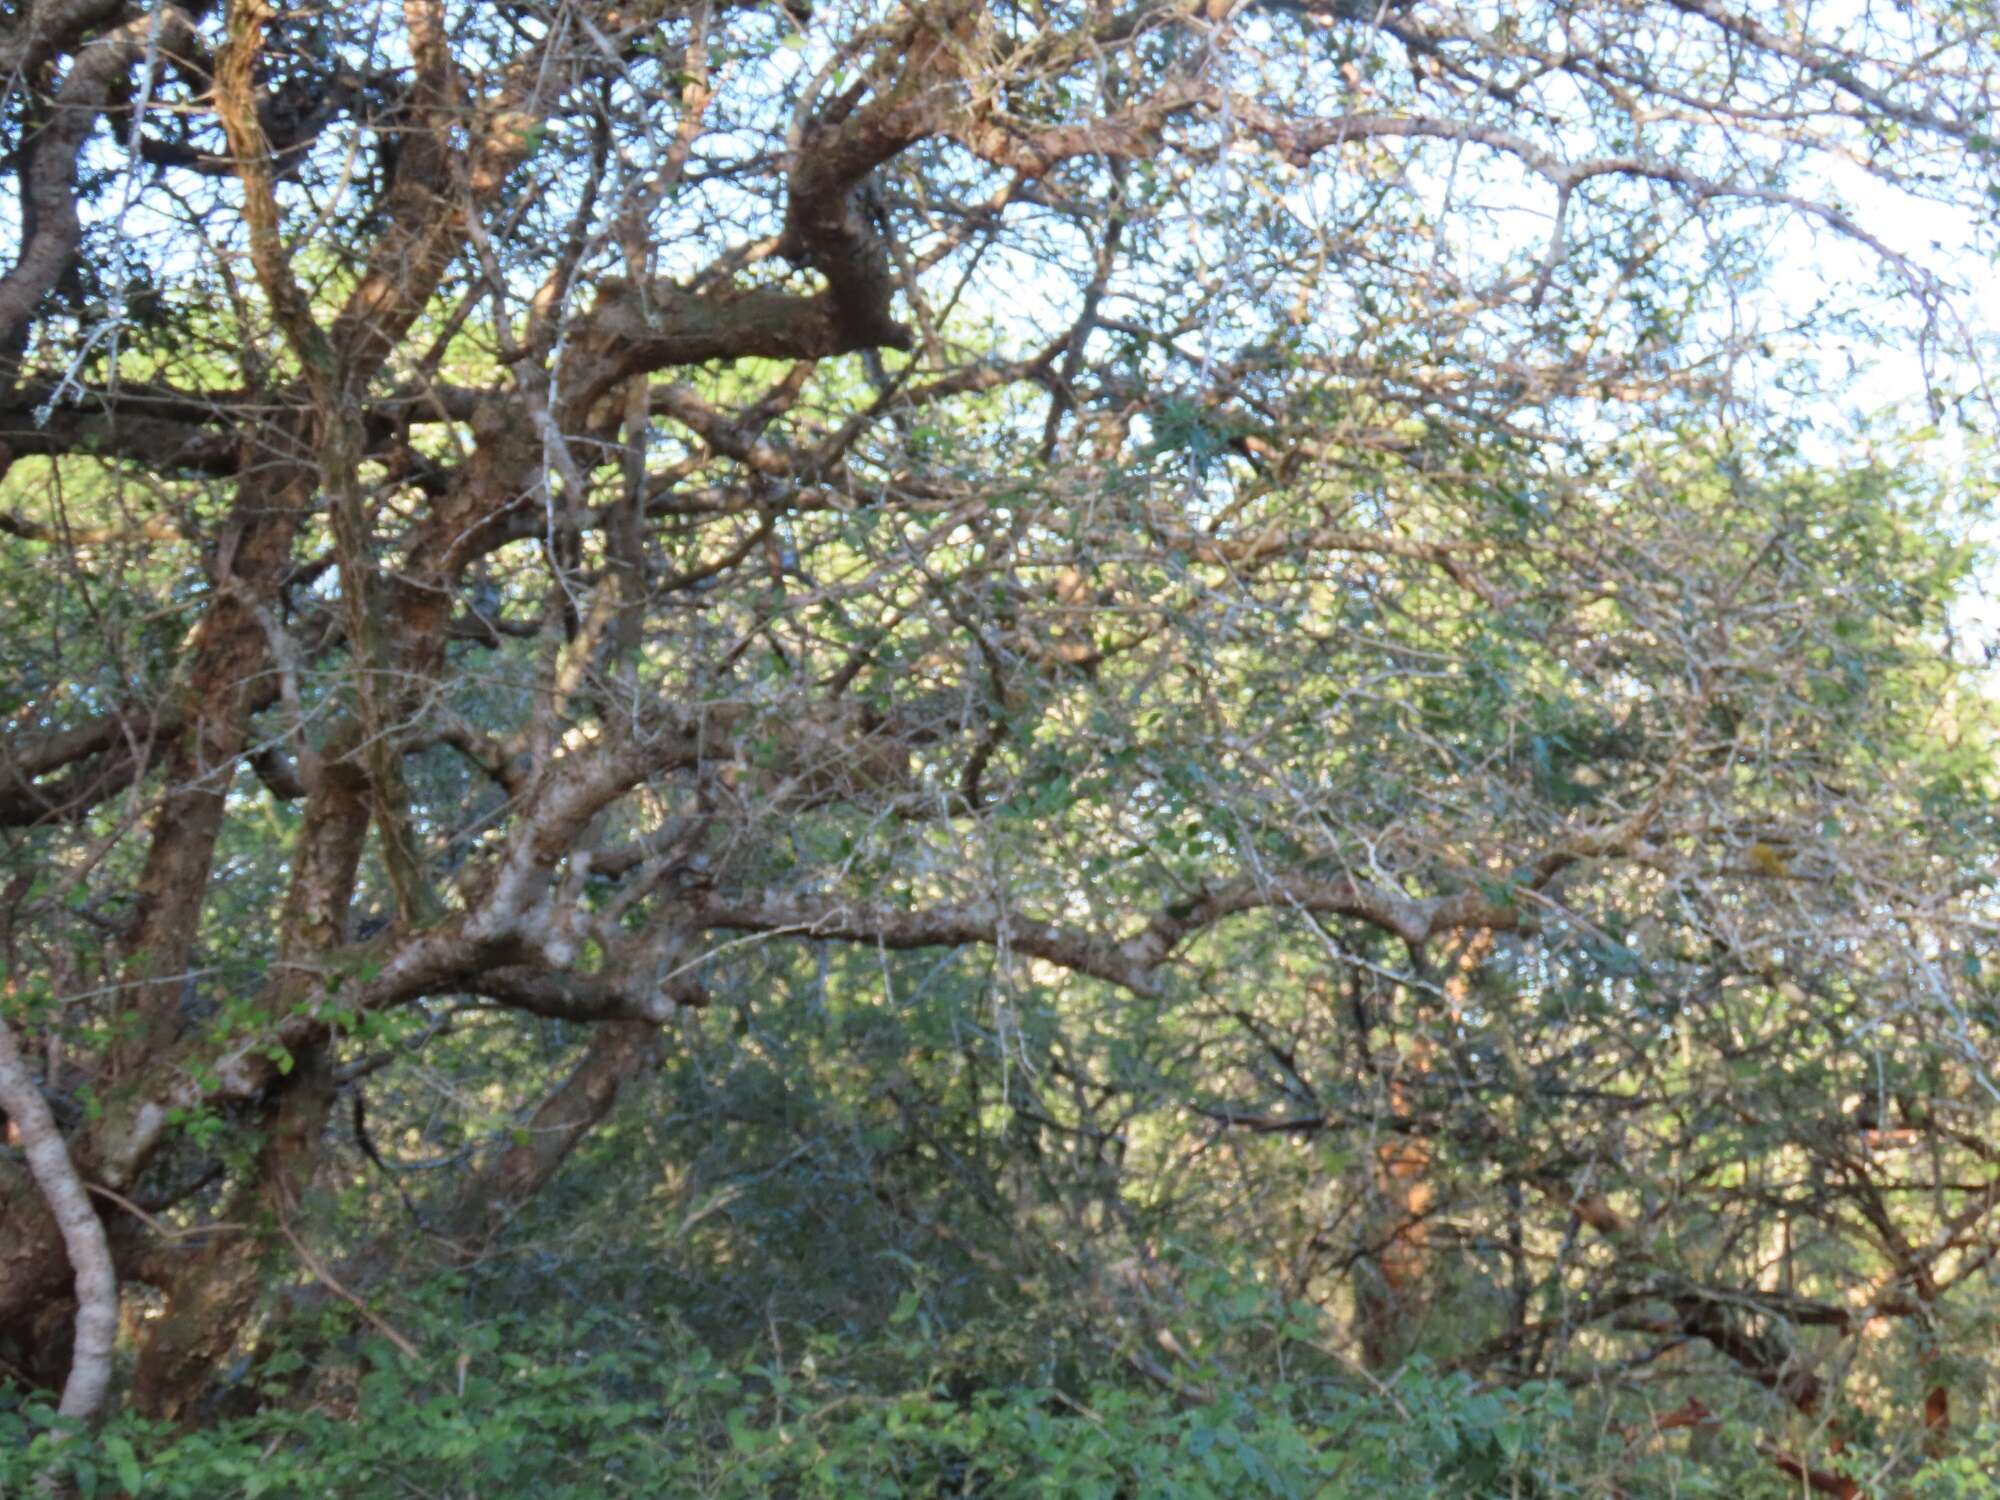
213,1294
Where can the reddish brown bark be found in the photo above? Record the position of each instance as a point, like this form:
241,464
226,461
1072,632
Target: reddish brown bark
210,1295
312,423
1818,1481
1405,1189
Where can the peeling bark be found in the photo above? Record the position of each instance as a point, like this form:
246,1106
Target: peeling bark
211,1295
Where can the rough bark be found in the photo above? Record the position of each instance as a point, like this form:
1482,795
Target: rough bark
881,173
211,1294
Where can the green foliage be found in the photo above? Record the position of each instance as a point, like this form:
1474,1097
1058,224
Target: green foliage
534,1406
1302,849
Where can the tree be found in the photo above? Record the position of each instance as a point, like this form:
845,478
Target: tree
513,508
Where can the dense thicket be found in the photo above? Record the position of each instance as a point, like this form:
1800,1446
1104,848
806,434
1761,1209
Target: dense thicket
935,747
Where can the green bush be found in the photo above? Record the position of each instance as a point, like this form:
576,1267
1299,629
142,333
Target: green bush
590,1409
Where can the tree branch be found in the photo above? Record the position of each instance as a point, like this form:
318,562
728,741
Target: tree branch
82,1232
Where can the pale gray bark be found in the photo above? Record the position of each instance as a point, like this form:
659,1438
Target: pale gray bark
82,1231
